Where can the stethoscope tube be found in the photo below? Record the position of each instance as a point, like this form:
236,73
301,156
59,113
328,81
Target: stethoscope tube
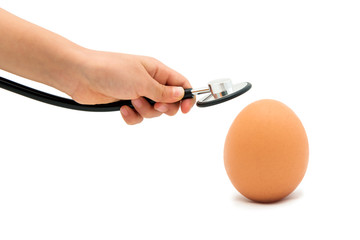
68,103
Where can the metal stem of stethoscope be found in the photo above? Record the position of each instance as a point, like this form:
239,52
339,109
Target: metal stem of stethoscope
199,91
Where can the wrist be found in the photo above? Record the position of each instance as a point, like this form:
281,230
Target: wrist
69,70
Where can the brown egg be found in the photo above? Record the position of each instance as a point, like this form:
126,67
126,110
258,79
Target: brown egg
266,151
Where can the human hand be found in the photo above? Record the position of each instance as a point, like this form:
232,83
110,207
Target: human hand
109,77
90,77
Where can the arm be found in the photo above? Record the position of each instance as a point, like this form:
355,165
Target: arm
37,54
88,76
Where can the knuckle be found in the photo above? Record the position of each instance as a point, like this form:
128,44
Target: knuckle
172,113
137,121
150,114
133,121
163,93
173,110
145,115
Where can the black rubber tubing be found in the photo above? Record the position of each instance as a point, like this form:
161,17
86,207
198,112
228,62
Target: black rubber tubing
65,102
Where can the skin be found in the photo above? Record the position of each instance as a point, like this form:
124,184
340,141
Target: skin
89,76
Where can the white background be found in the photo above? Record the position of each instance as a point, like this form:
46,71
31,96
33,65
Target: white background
74,175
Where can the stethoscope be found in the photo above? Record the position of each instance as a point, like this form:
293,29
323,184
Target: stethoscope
218,91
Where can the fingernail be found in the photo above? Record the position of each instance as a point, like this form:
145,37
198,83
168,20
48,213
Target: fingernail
137,103
162,108
178,92
124,112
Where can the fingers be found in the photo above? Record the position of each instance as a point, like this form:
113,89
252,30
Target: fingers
162,81
130,116
187,104
162,93
169,109
143,109
164,86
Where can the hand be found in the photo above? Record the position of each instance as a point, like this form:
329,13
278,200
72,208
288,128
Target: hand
109,77
90,77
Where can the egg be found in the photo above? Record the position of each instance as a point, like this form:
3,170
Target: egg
266,151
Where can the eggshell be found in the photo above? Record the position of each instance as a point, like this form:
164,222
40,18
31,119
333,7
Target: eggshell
266,151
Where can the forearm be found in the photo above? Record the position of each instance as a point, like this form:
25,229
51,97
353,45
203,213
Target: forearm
32,52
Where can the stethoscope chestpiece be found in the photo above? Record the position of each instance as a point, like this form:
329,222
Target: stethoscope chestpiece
222,90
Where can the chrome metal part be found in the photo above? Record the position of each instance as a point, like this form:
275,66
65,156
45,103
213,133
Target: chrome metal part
199,91
223,90
220,87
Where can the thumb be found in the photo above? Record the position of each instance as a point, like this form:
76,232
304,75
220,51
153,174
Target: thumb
165,94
